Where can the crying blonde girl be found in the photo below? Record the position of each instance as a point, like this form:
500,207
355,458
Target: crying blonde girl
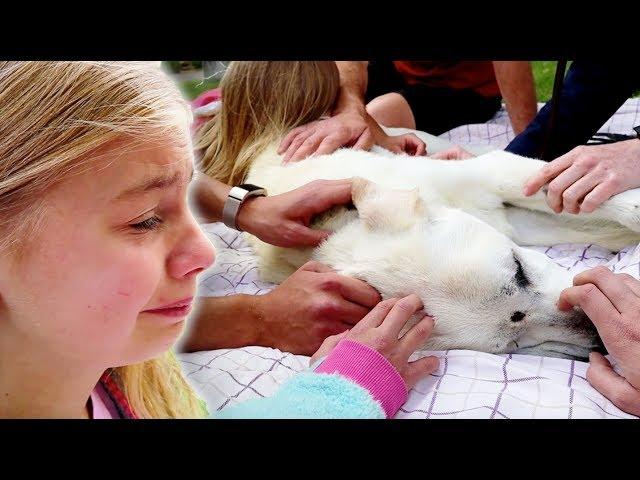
100,253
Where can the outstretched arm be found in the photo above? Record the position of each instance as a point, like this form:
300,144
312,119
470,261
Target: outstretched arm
515,80
296,316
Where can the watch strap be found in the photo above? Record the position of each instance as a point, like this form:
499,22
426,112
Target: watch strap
236,197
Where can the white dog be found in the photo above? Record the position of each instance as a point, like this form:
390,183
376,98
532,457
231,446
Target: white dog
449,231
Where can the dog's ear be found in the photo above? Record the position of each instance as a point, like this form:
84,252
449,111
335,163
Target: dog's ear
384,208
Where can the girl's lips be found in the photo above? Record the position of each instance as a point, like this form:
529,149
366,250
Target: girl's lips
176,309
172,312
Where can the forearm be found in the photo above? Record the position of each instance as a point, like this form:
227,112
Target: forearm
353,381
353,86
207,198
233,321
515,80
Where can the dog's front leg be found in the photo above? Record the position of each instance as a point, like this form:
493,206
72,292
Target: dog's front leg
623,208
535,223
506,174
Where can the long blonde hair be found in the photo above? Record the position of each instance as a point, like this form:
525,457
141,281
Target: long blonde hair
52,115
262,101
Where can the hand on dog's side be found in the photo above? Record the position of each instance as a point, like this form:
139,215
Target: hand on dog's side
312,304
380,330
454,153
283,220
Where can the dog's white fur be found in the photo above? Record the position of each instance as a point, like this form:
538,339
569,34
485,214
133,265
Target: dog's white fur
449,231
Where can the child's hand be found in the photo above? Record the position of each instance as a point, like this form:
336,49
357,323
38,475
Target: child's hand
379,330
453,153
407,143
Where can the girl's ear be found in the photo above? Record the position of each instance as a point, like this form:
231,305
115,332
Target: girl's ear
384,208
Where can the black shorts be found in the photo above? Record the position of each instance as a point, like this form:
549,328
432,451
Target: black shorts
436,110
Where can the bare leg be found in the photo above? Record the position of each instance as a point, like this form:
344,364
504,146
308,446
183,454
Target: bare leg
392,110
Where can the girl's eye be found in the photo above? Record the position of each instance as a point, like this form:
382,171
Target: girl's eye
150,223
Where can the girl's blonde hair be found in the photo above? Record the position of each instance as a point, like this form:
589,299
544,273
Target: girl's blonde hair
53,115
261,102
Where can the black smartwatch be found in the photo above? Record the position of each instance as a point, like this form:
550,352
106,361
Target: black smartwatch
637,129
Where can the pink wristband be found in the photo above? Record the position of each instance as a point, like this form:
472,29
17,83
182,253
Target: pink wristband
366,367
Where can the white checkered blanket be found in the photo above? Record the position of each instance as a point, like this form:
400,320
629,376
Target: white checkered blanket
468,384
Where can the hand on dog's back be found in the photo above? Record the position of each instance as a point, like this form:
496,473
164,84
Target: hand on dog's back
283,220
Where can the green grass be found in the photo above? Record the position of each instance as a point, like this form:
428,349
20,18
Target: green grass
192,88
543,75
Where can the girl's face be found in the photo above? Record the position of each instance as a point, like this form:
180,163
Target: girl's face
111,273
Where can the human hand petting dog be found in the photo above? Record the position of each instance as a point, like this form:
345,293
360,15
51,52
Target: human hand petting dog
407,143
582,179
311,305
283,220
350,128
380,330
612,302
453,153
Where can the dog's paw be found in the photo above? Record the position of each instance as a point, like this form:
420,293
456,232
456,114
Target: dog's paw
624,208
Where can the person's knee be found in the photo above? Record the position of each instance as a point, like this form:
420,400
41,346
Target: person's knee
392,110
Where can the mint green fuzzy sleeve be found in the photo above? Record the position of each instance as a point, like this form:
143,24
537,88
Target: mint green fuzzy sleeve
310,395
